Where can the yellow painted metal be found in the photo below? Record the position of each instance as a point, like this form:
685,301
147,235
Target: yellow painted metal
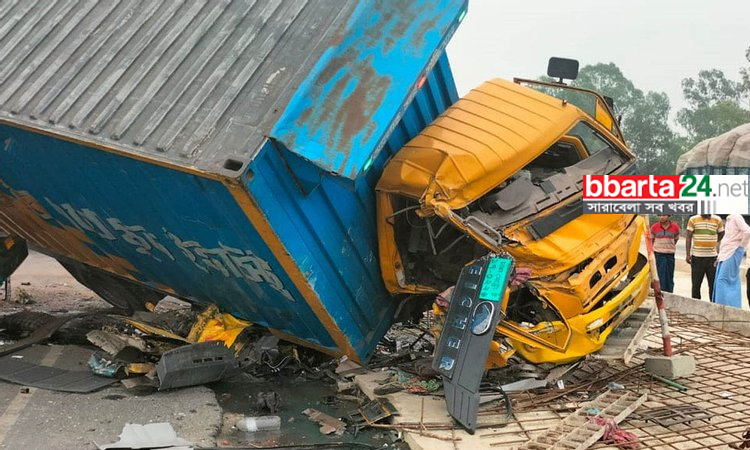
151,329
584,341
484,138
603,116
390,259
477,144
572,290
567,247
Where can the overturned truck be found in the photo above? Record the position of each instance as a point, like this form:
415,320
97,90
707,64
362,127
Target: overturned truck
228,153
502,170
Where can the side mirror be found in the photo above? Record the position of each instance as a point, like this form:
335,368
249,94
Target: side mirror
562,68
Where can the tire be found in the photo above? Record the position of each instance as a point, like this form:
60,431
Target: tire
123,294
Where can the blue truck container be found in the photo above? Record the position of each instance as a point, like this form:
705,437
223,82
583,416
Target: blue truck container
220,151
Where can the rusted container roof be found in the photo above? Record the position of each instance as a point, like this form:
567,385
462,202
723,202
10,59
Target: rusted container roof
201,83
192,82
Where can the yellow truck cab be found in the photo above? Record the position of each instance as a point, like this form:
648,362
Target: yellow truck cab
501,171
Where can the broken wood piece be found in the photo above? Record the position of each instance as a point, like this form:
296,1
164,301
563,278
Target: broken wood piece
328,424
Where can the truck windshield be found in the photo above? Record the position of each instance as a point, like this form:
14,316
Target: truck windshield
551,177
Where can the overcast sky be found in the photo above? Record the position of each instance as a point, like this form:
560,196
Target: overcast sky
655,43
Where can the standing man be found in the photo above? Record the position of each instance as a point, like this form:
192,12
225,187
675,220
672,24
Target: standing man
664,236
706,230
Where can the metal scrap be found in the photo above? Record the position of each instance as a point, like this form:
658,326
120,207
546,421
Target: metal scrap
673,415
113,343
195,364
371,413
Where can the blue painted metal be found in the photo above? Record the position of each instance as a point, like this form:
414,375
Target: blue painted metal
343,111
169,228
169,221
331,232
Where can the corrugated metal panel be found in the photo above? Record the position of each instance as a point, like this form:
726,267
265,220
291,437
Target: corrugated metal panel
331,232
346,108
173,231
194,82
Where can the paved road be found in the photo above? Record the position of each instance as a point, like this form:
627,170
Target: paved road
50,420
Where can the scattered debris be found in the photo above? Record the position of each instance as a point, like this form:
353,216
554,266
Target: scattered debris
615,435
268,401
745,443
673,415
262,423
371,413
576,430
327,423
139,382
400,380
23,297
524,385
347,366
157,331
106,367
623,342
40,333
153,435
212,325
51,378
139,368
195,364
114,343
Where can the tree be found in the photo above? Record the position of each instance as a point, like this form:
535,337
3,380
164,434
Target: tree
716,104
645,122
745,72
646,127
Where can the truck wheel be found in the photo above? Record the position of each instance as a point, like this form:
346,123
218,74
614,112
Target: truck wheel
121,293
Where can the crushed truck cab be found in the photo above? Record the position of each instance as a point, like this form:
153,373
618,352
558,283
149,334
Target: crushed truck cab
501,170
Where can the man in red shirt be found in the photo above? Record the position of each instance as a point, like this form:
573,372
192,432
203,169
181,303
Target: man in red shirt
664,236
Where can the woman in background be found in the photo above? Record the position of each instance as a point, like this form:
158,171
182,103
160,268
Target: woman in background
727,287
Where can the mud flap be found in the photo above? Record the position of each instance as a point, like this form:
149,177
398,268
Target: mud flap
464,343
13,251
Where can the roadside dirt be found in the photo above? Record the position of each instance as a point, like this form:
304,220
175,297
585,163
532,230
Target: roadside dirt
42,284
